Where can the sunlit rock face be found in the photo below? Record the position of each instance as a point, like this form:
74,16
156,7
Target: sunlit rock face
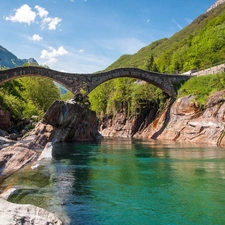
66,121
13,158
185,121
13,214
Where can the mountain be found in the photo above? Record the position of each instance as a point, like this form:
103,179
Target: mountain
9,60
199,45
217,3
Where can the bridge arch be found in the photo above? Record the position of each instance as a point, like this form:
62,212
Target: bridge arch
28,71
165,82
74,82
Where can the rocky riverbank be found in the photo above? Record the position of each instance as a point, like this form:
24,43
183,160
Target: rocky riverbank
64,121
183,121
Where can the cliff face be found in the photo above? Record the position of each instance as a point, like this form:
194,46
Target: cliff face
121,126
183,121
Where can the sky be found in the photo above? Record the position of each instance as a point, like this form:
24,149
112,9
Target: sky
85,36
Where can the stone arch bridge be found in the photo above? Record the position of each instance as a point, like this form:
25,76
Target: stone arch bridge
74,82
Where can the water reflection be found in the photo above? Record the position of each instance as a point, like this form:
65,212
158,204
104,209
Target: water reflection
125,181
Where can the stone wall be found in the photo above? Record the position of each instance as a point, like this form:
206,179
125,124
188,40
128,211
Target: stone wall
212,70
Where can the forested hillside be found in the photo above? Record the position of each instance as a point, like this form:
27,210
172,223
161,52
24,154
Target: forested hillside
201,44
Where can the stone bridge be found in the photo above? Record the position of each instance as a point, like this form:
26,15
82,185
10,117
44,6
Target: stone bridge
74,82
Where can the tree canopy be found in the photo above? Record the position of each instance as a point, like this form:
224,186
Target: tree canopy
28,96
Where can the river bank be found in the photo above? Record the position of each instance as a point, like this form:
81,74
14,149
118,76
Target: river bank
63,121
183,121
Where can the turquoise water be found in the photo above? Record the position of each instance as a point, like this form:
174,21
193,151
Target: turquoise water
123,181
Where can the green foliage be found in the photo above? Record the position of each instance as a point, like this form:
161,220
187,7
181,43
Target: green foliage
126,95
202,87
99,98
67,95
199,45
41,91
28,96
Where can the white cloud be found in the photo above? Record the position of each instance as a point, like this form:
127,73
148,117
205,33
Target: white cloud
148,21
51,56
178,25
24,14
41,11
36,37
81,50
51,22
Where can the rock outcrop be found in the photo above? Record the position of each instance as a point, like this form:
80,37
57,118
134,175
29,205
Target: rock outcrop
63,121
185,121
15,157
13,214
4,119
121,126
66,121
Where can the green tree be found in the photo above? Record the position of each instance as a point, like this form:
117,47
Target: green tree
41,91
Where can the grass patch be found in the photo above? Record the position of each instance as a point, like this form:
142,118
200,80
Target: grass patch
202,87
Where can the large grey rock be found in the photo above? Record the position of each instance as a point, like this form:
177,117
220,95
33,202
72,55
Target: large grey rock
5,142
66,121
15,214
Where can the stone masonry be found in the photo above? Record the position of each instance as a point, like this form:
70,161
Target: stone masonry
75,82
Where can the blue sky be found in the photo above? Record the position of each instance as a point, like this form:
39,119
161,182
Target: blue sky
85,36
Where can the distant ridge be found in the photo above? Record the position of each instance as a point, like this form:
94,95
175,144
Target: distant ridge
216,4
9,60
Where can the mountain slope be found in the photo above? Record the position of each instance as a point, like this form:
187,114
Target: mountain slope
9,60
201,44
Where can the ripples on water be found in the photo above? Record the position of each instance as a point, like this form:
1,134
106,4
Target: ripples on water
124,181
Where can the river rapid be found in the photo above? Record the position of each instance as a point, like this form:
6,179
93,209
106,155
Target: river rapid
127,181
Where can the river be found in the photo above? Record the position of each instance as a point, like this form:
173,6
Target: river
125,181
